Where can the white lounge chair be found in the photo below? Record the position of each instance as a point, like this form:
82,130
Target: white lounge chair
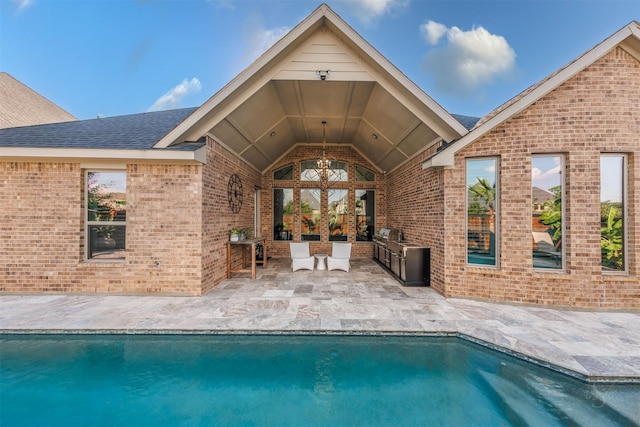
300,258
340,255
544,245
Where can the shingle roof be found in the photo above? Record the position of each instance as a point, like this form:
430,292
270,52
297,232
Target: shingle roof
22,106
131,132
466,121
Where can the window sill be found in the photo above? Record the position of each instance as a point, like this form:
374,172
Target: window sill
104,262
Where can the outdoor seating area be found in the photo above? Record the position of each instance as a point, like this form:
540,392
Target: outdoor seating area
302,260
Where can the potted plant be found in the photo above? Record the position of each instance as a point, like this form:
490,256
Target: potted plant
235,234
246,233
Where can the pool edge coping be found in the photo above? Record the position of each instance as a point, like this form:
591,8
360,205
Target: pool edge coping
581,376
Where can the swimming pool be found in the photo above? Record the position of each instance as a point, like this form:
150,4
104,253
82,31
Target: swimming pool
194,380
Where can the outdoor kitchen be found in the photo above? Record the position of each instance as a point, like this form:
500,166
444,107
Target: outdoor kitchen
408,262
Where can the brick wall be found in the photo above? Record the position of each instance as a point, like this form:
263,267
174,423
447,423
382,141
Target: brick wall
218,219
416,205
596,111
164,230
40,219
42,231
306,152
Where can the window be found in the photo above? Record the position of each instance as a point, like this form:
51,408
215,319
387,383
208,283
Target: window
364,174
481,211
612,212
310,214
547,211
106,196
282,214
365,215
338,215
283,174
337,172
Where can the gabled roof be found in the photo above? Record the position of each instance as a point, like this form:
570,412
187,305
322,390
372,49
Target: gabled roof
22,106
136,134
628,38
322,70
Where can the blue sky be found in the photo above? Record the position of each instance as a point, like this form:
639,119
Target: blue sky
115,57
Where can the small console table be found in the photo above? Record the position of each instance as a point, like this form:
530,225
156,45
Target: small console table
243,244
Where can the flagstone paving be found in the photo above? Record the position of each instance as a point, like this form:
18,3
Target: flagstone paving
596,345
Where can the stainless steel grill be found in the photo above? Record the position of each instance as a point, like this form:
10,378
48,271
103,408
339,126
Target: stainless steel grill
381,241
409,262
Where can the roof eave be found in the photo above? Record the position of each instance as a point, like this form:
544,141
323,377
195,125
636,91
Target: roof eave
197,156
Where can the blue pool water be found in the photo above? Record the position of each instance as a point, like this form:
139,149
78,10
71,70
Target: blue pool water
236,380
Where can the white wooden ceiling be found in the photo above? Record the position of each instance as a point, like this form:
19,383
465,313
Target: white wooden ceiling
359,113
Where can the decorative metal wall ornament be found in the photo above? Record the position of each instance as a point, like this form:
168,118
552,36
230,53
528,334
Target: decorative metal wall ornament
234,193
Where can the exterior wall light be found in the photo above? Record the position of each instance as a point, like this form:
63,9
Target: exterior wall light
323,74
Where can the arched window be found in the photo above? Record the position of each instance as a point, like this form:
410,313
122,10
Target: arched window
312,170
364,174
284,173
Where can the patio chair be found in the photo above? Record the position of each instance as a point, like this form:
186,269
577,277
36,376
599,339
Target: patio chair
340,255
300,258
544,245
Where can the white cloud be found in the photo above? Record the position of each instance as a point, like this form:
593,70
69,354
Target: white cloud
467,59
433,31
173,98
22,4
547,173
262,39
369,10
535,173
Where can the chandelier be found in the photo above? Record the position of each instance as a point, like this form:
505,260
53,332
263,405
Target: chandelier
326,171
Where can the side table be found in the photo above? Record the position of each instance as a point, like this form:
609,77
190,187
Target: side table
321,262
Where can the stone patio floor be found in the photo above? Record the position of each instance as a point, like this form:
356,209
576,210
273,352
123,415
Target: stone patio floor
593,345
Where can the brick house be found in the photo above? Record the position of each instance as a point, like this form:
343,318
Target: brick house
534,203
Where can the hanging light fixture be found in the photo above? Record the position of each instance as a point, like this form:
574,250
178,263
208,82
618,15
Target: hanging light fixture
324,165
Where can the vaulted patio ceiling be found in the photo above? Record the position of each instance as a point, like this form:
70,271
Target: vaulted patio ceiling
284,113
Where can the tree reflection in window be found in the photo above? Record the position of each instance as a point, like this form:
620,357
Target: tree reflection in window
612,212
338,215
481,211
282,213
310,214
365,215
106,214
547,211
